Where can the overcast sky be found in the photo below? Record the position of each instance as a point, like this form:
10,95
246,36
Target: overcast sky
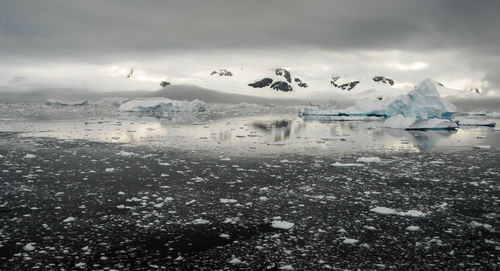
92,44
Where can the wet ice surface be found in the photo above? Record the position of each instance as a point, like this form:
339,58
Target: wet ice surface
85,201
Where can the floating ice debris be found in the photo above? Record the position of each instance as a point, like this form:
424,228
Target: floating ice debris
412,228
228,201
369,160
29,247
476,224
125,154
337,164
224,235
484,147
476,122
66,103
235,260
200,221
287,267
401,122
29,156
412,213
349,241
121,193
109,170
282,225
162,105
278,143
121,206
69,219
383,211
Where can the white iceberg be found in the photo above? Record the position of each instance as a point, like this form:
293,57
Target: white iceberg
422,102
162,105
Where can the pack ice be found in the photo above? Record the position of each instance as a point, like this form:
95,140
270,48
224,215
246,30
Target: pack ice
422,102
162,105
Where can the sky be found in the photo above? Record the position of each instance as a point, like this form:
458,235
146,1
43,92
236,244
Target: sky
93,44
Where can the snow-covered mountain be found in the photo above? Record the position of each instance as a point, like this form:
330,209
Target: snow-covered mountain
290,83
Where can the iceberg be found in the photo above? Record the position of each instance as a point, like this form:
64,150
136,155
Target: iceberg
162,105
422,102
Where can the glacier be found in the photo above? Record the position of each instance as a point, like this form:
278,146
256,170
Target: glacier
423,102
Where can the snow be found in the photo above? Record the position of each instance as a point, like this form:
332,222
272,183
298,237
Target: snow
283,225
401,122
369,160
162,105
423,101
383,211
476,122
337,164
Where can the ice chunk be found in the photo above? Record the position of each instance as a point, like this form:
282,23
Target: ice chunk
162,105
228,201
235,260
287,267
484,147
337,164
369,160
200,221
69,219
412,213
29,247
412,228
383,211
29,156
283,225
350,241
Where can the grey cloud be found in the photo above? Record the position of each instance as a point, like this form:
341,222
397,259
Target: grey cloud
69,28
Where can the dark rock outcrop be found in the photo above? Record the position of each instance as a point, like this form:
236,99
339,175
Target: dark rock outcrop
300,83
284,73
262,83
346,86
383,79
222,72
281,85
164,84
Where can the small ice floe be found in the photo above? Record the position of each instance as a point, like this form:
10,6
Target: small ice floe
120,193
496,129
200,221
481,137
224,235
384,211
109,170
369,160
277,143
69,219
350,241
225,159
29,156
475,224
121,206
29,247
282,225
337,164
476,122
412,213
482,147
125,154
228,201
287,267
412,228
115,137
164,164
